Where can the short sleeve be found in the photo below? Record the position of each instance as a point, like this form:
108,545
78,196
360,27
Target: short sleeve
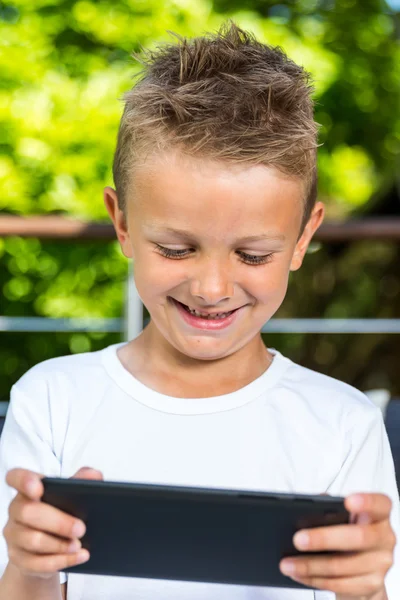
368,467
26,442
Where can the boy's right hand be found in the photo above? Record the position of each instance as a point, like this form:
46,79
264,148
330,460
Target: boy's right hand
41,539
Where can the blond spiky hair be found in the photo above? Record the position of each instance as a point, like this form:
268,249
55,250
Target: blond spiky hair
225,96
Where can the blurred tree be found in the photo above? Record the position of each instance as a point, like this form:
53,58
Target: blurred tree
66,63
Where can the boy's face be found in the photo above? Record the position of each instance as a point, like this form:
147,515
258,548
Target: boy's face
215,238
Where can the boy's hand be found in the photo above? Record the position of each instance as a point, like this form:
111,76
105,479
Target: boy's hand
365,551
41,539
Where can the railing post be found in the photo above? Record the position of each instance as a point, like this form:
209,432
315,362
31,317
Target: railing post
133,322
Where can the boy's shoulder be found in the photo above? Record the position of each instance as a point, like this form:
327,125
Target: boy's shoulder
324,391
55,371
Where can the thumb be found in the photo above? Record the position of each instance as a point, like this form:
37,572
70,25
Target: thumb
28,483
88,473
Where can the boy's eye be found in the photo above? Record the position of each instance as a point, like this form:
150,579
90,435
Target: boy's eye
254,259
247,258
173,253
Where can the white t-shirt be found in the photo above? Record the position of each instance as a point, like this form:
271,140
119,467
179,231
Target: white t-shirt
289,430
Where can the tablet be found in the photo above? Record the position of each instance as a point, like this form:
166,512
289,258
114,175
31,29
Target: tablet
190,534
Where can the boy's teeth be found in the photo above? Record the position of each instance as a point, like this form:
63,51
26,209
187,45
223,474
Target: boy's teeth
205,316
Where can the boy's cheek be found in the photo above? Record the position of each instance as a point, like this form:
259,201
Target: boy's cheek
149,272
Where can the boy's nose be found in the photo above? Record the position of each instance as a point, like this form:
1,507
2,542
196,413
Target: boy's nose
213,286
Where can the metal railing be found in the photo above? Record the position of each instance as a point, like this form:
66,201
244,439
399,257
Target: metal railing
31,324
65,229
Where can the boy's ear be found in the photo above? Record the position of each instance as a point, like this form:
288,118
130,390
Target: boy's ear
315,220
119,220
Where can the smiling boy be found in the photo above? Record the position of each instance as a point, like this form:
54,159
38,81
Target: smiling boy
215,202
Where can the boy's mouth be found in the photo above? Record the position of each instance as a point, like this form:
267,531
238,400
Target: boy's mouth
207,316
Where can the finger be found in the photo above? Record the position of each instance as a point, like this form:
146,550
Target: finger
26,482
42,516
46,563
346,537
377,506
88,473
361,518
363,585
39,542
339,565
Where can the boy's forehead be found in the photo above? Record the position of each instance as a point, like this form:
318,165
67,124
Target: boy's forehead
175,172
175,191
156,163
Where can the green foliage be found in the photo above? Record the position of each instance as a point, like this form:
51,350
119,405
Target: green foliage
65,65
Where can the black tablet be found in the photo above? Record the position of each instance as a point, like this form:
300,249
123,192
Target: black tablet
190,534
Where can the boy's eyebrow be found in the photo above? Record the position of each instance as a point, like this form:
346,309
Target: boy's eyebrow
264,236
249,238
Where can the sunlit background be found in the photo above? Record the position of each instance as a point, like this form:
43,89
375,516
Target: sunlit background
64,66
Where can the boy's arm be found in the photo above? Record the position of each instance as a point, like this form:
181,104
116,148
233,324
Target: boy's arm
25,440
367,470
14,585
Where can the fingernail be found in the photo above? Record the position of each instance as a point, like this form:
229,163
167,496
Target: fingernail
83,556
357,502
301,540
78,530
74,546
288,567
31,486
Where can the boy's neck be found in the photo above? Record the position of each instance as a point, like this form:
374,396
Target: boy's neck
156,364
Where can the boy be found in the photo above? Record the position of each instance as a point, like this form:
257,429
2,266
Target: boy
215,201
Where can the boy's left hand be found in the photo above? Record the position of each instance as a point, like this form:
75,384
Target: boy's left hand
366,551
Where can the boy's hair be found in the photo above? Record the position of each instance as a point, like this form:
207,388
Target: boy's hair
224,96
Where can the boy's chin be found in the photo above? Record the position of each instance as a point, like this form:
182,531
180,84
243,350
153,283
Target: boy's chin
203,349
